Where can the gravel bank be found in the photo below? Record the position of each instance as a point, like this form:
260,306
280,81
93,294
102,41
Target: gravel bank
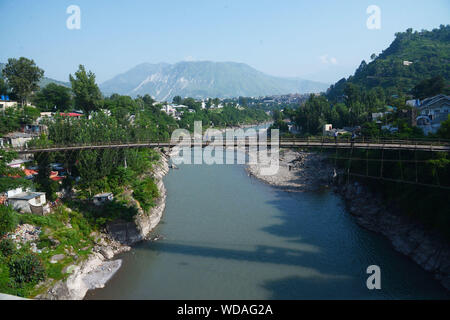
298,171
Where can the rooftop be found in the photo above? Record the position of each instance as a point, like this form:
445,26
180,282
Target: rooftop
103,195
26,195
16,135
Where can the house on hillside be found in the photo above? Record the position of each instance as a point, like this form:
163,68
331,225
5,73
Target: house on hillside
433,111
376,116
168,109
34,128
327,128
27,201
17,139
102,198
18,163
6,103
413,103
75,115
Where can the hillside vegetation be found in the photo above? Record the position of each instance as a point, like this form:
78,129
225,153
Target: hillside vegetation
429,52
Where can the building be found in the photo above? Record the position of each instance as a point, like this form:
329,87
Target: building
433,111
174,110
28,201
413,103
34,128
327,128
102,198
71,115
169,109
17,139
18,163
6,103
376,116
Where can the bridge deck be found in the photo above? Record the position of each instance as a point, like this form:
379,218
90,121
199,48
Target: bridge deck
436,146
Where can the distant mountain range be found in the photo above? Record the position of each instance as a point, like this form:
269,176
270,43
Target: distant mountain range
202,79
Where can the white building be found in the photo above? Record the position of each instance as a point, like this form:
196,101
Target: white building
327,128
169,109
413,103
18,163
6,103
28,201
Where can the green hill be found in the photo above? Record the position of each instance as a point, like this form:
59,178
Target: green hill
428,52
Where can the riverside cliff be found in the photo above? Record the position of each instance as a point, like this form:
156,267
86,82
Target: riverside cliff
98,268
307,171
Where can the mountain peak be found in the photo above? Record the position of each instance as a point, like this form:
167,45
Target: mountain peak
203,79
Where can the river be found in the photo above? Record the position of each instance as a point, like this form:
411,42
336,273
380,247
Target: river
230,236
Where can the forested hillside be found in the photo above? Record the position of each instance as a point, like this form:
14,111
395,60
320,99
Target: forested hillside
412,57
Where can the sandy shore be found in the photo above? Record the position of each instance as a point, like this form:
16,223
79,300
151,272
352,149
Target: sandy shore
98,277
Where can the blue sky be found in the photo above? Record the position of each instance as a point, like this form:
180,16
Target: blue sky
320,40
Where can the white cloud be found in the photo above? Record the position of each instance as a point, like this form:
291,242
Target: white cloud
189,58
326,59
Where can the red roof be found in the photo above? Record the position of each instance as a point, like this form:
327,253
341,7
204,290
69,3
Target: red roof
29,172
70,114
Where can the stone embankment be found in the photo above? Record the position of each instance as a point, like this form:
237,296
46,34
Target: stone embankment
98,268
428,249
306,171
131,232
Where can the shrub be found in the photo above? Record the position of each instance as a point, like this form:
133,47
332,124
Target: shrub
145,192
26,268
8,220
4,277
7,247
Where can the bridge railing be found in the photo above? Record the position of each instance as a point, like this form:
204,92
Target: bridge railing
166,142
362,140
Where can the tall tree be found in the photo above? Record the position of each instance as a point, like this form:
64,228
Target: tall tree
23,77
10,178
3,87
177,100
53,97
87,95
430,87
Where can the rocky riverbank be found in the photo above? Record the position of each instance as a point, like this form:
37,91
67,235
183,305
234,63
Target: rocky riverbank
129,233
98,268
428,249
305,171
298,171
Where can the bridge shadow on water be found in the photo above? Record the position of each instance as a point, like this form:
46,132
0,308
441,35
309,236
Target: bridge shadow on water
315,218
300,218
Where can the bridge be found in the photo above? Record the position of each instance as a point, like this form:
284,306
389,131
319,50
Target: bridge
312,142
